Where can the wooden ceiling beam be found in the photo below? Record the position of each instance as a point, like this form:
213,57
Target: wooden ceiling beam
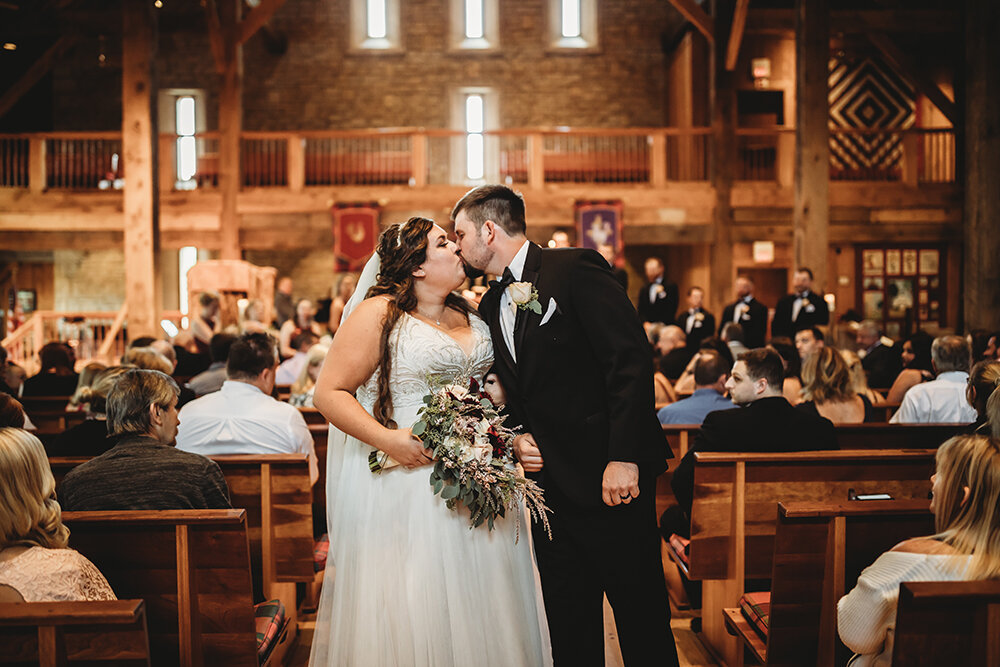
693,12
215,39
905,66
910,21
736,34
258,18
34,74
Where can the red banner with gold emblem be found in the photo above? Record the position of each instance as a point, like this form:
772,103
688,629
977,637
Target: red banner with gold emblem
355,231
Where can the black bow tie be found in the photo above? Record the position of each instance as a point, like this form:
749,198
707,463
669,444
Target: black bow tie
506,279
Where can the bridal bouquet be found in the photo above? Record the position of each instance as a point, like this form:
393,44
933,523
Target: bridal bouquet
474,460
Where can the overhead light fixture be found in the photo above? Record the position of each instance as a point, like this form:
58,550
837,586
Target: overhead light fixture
158,4
9,46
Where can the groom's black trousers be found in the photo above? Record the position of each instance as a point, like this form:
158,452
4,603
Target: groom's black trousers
598,550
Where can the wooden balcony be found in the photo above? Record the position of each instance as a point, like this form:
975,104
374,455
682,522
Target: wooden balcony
70,182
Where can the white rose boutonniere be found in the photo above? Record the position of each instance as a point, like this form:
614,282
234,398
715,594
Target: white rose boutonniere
699,317
525,296
658,290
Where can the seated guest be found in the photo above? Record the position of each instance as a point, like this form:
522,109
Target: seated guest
766,421
979,342
732,335
303,321
56,378
87,377
252,319
346,285
984,388
916,358
13,378
710,374
966,494
290,369
144,470
881,359
4,387
685,383
11,412
211,379
305,384
207,321
807,341
941,400
151,358
190,361
242,418
90,437
792,384
859,381
35,565
674,353
828,390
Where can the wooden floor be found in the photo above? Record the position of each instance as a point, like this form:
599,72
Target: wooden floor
689,648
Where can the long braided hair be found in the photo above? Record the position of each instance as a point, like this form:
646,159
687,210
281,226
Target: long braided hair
402,248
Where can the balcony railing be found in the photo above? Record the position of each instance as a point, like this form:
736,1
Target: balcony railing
534,157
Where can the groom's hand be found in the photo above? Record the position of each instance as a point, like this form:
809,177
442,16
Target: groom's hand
528,453
621,483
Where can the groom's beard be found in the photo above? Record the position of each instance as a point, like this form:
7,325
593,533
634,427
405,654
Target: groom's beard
472,272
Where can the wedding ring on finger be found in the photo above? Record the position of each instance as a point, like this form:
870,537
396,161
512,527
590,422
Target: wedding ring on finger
626,497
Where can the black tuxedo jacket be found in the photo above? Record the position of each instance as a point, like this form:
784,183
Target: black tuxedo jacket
753,322
766,425
782,324
882,365
583,382
663,309
697,333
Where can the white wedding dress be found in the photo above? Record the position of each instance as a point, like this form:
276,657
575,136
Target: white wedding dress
407,582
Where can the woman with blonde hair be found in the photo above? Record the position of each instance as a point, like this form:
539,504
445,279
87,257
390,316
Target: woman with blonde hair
35,565
828,391
305,385
966,547
87,377
858,378
90,437
983,394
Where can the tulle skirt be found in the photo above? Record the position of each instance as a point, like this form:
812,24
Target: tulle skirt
409,584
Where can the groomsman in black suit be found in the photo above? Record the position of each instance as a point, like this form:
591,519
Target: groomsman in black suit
801,309
882,362
697,323
747,312
577,370
658,298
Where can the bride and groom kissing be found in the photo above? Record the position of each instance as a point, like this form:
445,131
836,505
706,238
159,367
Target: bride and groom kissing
413,585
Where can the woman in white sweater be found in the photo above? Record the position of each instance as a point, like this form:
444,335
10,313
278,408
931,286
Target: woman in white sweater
966,506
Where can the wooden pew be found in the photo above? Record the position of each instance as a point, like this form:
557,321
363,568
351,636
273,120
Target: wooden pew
192,568
50,634
820,550
321,437
734,513
312,416
948,623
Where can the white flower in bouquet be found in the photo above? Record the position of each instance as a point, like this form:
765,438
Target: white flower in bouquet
458,391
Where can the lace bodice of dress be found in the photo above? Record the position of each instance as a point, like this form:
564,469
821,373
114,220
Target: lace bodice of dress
53,575
424,358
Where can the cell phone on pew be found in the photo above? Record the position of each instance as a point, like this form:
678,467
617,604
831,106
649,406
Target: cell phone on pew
851,495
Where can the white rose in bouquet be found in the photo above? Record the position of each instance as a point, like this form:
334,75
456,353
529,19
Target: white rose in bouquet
520,292
458,391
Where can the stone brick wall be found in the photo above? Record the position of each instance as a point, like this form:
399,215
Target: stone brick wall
89,280
318,83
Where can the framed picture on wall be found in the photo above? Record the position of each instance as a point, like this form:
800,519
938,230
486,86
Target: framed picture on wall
929,262
872,262
26,298
893,262
873,305
899,293
909,262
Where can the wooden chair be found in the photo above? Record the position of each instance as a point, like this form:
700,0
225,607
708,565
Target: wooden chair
948,623
820,550
734,512
52,634
192,568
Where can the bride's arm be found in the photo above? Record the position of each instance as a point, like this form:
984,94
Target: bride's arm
353,357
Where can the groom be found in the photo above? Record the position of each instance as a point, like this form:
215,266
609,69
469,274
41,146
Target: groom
578,374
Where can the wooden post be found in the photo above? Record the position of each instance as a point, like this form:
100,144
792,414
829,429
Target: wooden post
723,160
139,139
418,160
911,152
811,209
36,165
168,162
536,162
658,160
296,156
981,292
230,127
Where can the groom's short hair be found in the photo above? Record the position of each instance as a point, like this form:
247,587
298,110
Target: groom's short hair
498,203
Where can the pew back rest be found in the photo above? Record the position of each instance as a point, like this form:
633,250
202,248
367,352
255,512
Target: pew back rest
734,512
820,550
276,493
948,623
192,568
45,633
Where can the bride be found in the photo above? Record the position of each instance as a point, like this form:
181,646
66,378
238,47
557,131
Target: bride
407,581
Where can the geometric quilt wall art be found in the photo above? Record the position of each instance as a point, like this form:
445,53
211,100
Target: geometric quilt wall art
865,94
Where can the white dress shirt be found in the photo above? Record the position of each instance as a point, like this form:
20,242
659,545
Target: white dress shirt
940,401
508,309
241,419
742,306
656,290
800,302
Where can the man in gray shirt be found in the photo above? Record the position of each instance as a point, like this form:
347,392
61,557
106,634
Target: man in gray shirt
144,471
